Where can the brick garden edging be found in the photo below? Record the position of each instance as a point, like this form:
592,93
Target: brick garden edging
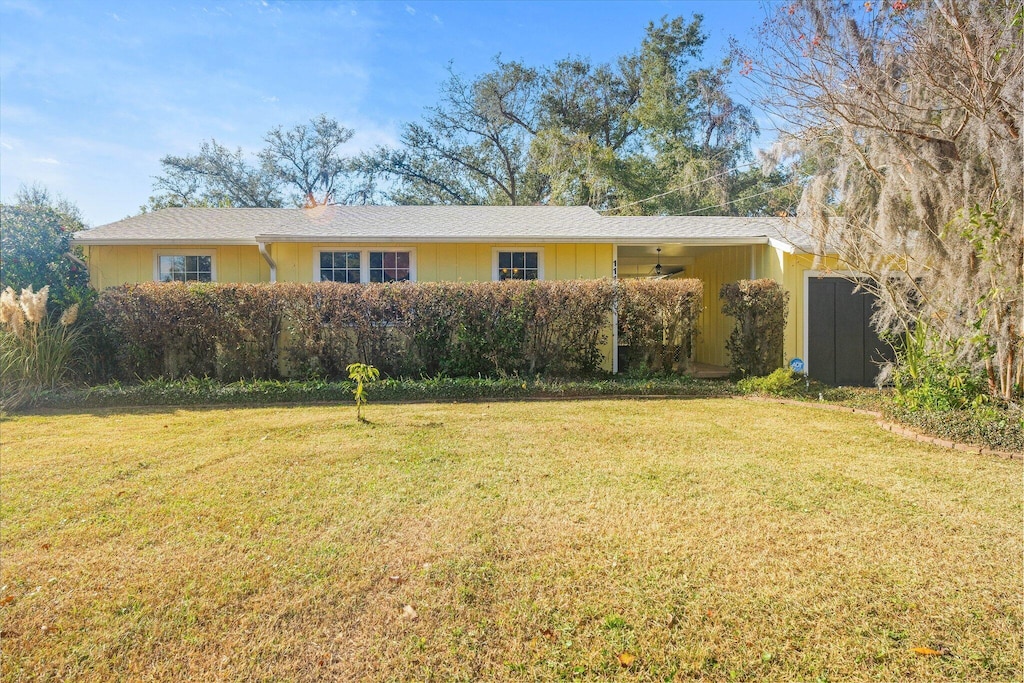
896,428
945,443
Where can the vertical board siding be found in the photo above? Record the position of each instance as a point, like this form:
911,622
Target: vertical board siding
110,266
715,268
117,265
796,266
445,266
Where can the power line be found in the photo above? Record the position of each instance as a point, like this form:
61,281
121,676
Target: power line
678,189
738,199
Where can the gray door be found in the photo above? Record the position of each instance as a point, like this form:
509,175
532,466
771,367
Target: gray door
842,347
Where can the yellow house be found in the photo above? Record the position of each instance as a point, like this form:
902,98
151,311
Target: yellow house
826,325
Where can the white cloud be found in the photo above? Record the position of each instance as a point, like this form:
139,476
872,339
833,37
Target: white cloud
114,16
46,160
6,145
437,20
270,98
410,9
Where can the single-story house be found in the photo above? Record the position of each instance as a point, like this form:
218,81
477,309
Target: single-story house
827,323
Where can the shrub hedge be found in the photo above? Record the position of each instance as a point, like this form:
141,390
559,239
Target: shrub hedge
235,331
454,329
259,331
658,321
756,344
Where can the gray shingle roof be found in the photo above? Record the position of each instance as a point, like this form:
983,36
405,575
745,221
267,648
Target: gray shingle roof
685,228
428,223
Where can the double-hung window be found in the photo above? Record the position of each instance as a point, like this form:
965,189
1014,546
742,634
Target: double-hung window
339,266
184,268
517,264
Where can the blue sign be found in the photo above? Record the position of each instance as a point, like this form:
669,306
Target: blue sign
796,365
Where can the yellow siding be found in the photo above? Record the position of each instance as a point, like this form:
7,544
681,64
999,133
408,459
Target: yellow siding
117,265
455,262
795,267
715,268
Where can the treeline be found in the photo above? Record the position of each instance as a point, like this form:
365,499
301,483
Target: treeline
654,132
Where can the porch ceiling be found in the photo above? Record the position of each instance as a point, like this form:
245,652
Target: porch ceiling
677,259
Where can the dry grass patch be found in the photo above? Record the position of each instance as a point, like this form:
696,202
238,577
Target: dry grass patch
715,539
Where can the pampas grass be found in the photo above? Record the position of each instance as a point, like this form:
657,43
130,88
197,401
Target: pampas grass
35,352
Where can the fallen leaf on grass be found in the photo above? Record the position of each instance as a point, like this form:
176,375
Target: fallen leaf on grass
671,621
549,634
45,546
409,613
397,580
47,629
625,659
6,600
926,651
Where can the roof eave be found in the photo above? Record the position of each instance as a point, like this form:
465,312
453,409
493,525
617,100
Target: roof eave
157,242
520,239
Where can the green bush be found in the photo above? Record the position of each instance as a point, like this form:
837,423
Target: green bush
928,376
755,345
781,382
658,321
35,245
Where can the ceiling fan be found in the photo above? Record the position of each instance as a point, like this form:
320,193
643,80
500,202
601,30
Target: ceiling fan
660,272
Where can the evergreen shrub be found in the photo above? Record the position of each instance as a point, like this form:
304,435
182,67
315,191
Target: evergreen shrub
755,345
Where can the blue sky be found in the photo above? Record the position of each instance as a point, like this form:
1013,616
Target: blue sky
92,94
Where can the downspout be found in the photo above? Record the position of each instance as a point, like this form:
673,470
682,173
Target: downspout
270,262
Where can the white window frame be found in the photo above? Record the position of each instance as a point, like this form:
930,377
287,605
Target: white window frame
364,260
332,250
495,251
157,253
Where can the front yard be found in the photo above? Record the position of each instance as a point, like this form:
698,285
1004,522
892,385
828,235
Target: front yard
711,538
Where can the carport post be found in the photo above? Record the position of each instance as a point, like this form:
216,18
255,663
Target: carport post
615,312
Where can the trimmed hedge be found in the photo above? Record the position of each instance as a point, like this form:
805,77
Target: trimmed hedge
303,330
454,329
236,331
226,331
658,321
760,307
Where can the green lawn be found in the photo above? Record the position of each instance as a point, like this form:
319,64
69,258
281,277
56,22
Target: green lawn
717,538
